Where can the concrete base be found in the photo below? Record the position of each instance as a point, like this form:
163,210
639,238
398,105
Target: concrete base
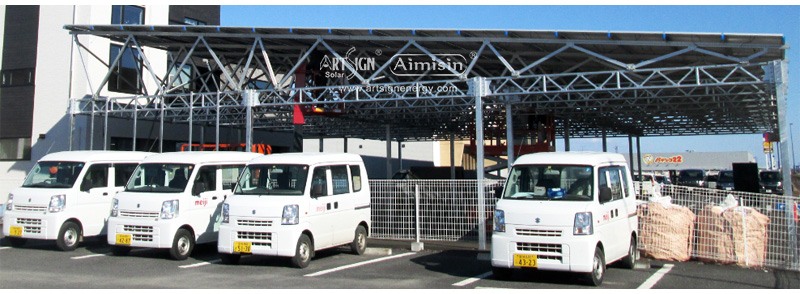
378,251
642,263
417,246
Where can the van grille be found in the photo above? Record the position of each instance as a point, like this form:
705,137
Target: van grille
254,223
138,214
142,238
138,229
29,221
35,208
254,236
539,247
539,233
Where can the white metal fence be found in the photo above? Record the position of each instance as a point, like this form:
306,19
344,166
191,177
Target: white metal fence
761,231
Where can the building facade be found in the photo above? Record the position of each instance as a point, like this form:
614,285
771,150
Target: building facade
41,71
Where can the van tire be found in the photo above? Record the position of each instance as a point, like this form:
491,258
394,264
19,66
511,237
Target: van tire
303,252
120,250
228,258
502,273
595,277
68,236
359,244
16,242
182,245
629,261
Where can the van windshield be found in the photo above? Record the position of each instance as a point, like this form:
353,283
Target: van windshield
725,176
273,179
551,182
160,178
53,174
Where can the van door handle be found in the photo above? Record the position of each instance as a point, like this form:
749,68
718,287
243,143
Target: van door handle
105,193
214,198
329,206
336,205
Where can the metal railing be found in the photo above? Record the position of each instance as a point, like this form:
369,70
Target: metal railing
760,232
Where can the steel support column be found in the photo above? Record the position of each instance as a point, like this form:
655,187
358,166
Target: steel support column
250,98
478,90
630,153
566,134
509,136
605,141
452,156
388,152
780,76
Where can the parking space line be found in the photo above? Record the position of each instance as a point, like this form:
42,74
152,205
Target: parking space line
200,264
358,264
87,256
652,280
473,279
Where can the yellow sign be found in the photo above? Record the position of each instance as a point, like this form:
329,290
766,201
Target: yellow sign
767,147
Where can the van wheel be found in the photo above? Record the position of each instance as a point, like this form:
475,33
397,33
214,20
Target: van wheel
182,246
502,273
229,258
120,250
598,268
303,252
633,254
68,236
359,244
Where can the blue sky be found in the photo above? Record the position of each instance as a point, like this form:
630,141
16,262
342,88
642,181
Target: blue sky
783,20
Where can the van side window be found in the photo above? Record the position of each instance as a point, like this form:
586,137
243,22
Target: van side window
355,175
341,183
206,179
229,175
624,177
96,177
319,182
615,183
123,172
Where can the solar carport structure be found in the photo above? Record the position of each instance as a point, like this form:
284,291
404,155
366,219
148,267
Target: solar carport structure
405,84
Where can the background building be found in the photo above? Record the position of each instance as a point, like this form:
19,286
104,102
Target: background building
41,71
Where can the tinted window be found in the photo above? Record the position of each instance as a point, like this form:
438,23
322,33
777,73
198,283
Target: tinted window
53,174
319,182
355,174
123,172
341,181
206,180
96,177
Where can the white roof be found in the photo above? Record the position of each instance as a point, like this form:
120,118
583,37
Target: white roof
307,158
201,157
576,158
97,156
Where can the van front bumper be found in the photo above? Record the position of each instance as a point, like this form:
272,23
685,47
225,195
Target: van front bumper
273,239
565,253
34,225
143,232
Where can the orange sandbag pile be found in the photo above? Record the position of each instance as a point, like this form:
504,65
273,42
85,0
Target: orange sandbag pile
665,231
735,235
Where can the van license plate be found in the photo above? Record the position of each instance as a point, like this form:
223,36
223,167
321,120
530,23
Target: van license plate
15,231
242,247
123,239
525,260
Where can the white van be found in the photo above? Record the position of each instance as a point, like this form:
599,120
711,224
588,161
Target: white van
566,211
294,204
66,196
173,200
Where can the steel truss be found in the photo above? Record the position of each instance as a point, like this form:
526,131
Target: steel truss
616,84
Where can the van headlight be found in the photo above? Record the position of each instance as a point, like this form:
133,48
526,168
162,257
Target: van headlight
291,215
499,220
114,207
583,224
10,202
226,213
57,203
169,209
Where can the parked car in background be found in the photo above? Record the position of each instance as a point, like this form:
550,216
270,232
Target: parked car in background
771,182
725,180
693,178
651,181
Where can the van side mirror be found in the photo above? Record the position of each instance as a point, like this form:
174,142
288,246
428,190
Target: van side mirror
605,194
198,188
317,190
86,185
498,192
